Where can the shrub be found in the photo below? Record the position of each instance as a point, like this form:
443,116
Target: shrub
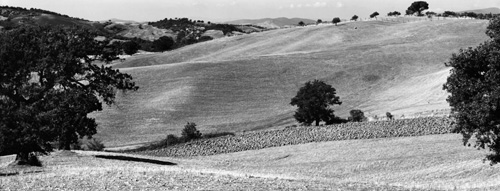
205,38
217,134
130,47
389,116
94,145
357,115
171,140
190,132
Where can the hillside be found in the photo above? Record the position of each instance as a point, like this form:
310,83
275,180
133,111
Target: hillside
492,10
246,82
272,22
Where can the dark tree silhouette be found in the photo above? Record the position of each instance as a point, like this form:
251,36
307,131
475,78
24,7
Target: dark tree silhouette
319,21
389,115
336,20
48,85
164,43
354,18
474,86
313,101
130,47
394,13
357,115
301,23
190,132
418,7
374,15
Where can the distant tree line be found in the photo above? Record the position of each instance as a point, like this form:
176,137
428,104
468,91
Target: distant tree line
22,10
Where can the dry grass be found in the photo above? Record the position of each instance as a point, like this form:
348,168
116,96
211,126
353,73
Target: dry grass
246,82
410,163
427,162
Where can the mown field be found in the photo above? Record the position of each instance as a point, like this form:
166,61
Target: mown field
432,162
246,82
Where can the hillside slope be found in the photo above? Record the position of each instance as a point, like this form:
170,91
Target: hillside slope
272,22
246,82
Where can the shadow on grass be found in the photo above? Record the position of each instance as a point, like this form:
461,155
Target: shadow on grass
172,140
135,159
13,170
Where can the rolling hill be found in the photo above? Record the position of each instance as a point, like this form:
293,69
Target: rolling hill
492,10
246,82
272,22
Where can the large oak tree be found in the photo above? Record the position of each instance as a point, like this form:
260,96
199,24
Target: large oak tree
474,84
49,83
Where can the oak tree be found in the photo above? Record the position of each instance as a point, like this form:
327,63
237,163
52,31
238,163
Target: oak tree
474,87
49,83
418,7
314,101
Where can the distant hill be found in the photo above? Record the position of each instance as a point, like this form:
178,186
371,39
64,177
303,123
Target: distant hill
115,20
11,17
272,22
492,10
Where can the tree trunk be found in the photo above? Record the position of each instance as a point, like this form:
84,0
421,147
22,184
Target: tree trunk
317,122
22,158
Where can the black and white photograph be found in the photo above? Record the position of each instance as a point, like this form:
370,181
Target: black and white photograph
249,95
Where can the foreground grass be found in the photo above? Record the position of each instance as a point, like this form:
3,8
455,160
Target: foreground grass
434,162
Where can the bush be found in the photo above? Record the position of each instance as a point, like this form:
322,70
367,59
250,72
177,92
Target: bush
205,38
190,132
94,145
217,134
357,115
171,140
389,116
130,47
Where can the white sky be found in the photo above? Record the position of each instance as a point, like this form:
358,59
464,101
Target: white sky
225,10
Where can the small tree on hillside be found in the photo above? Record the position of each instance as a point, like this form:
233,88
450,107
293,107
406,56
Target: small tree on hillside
301,23
190,132
336,20
374,15
418,7
474,86
319,21
130,47
314,101
357,115
394,13
163,43
354,18
389,116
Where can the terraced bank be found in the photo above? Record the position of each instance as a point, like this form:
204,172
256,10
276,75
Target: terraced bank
299,135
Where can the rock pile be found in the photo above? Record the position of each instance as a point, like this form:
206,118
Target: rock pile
299,135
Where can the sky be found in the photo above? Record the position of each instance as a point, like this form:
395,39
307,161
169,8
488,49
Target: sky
226,10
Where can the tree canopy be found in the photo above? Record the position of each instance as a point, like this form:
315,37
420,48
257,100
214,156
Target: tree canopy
474,87
313,101
394,13
374,15
336,20
357,115
417,7
354,18
48,85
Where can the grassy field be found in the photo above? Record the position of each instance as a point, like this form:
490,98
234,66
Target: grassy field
246,82
436,162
